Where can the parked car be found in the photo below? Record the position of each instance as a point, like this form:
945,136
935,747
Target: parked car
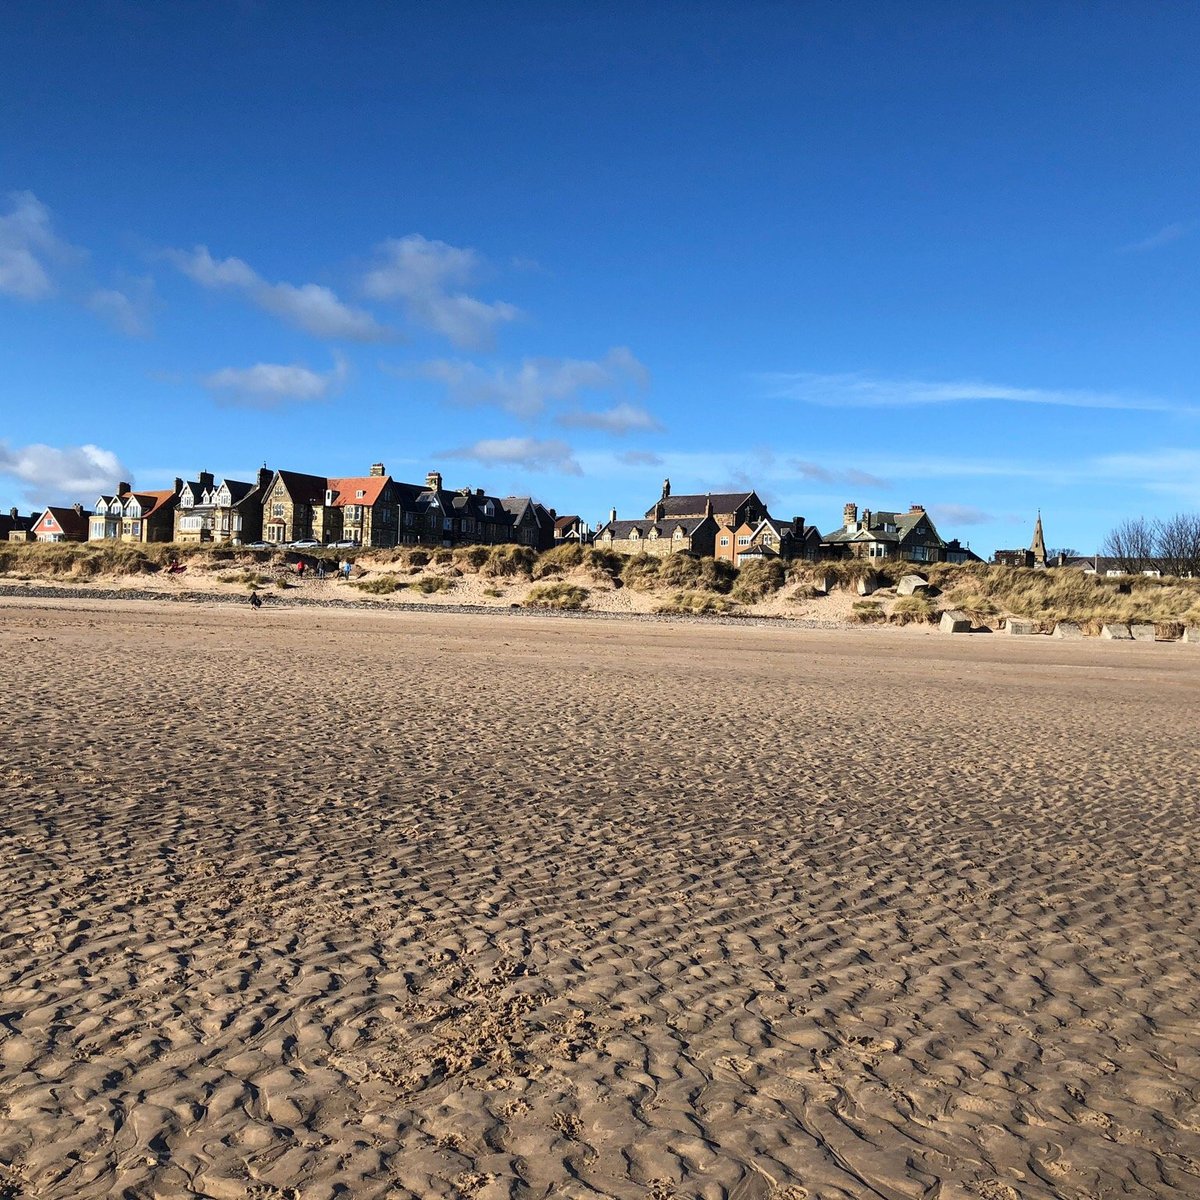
351,545
257,546
305,544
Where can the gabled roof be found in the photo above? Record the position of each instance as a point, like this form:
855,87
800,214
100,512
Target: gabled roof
666,528
695,506
905,524
238,489
565,523
345,491
307,489
151,502
74,524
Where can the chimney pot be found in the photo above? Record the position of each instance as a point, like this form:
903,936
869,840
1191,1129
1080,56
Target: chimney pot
850,516
377,471
433,481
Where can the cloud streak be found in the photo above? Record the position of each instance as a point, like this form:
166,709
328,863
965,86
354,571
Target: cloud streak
532,454
49,473
272,385
867,391
527,389
29,248
1164,237
813,472
309,306
426,278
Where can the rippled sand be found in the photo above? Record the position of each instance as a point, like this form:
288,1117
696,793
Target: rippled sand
315,904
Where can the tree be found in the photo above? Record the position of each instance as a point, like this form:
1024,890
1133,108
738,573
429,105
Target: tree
1177,544
1131,543
1060,554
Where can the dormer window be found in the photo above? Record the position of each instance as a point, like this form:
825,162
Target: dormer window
359,494
490,509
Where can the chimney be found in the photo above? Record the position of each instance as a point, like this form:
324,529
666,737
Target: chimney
78,509
850,516
708,512
178,485
206,479
433,481
866,518
377,471
666,489
263,477
612,516
123,487
479,491
798,526
916,508
12,512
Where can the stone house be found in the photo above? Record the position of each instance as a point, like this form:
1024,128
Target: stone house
229,511
61,525
135,516
532,523
362,509
294,507
660,535
16,528
875,535
434,516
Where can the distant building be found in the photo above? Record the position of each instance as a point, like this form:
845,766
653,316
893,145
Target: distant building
956,552
61,525
229,511
361,509
135,516
1035,556
16,528
881,534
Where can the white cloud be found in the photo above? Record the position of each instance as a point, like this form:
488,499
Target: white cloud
620,419
426,277
531,453
525,390
640,458
126,309
309,306
51,474
28,245
865,391
269,385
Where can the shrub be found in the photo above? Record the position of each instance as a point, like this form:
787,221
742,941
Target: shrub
556,561
805,591
428,584
506,561
867,611
697,603
556,595
418,558
471,558
912,610
603,562
757,579
282,584
380,585
493,592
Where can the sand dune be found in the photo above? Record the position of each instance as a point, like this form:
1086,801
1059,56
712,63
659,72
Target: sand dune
315,904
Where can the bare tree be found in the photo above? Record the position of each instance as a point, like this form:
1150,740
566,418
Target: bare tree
1131,543
1177,544
1060,554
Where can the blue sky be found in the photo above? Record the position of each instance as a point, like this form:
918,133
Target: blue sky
931,252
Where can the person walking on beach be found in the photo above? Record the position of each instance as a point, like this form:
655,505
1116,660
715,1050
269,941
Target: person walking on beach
255,600
346,565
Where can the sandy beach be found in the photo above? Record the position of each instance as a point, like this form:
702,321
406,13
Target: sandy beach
312,903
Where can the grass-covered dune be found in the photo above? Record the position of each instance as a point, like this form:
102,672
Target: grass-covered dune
575,577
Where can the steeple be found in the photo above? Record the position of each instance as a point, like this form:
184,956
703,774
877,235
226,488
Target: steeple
1038,546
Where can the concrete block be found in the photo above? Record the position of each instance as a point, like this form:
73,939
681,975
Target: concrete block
1142,632
825,583
867,585
1068,631
1116,633
912,585
1191,635
954,621
1016,627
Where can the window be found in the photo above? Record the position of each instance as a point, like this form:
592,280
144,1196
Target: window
408,518
724,541
447,524
359,494
878,550
101,509
743,540
277,509
490,509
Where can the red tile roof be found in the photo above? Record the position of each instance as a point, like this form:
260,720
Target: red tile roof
346,490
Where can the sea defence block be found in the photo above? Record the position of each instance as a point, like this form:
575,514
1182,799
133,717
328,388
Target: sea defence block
954,621
1068,631
1142,632
867,585
1116,633
1191,635
912,585
1015,627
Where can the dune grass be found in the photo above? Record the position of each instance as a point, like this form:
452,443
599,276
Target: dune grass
559,595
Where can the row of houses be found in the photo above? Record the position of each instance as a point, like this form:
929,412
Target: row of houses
280,507
288,507
737,527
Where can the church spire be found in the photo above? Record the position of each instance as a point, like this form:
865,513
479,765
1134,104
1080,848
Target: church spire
1038,546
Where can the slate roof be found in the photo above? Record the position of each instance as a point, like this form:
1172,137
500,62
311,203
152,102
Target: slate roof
694,506
73,524
666,528
304,489
905,523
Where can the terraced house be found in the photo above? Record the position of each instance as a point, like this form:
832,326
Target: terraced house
134,516
293,507
229,511
361,509
433,516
